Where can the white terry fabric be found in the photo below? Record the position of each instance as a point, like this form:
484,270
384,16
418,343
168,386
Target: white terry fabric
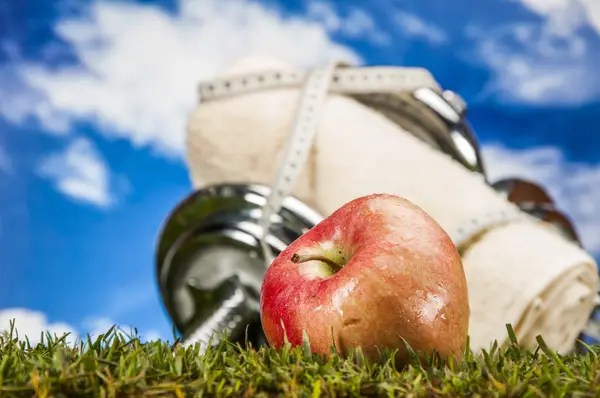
520,273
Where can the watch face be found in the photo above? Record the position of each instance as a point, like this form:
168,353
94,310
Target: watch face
210,262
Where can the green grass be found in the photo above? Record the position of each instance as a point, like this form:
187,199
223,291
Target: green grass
115,365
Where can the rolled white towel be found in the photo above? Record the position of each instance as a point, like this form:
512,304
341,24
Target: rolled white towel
518,271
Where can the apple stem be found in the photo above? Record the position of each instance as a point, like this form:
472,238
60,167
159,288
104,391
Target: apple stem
299,258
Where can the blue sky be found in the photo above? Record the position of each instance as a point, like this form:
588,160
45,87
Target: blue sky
94,97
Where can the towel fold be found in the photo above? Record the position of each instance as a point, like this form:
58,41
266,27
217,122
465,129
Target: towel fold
519,271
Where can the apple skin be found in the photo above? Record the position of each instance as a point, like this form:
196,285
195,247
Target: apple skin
389,272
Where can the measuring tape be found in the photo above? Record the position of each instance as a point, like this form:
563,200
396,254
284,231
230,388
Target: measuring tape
317,84
297,148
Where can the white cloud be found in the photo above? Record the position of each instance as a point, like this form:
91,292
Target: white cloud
544,63
80,173
32,323
592,8
140,65
96,326
151,335
6,166
567,14
355,24
325,13
126,299
537,64
574,186
414,26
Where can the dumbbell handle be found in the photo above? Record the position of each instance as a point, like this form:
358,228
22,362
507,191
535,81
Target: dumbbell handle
230,320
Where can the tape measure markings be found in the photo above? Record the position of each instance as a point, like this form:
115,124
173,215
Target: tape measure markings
298,146
317,84
345,80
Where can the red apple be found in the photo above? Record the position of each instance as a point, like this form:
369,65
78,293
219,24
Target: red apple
376,271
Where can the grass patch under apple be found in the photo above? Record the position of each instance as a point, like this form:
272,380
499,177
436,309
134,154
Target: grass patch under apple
118,366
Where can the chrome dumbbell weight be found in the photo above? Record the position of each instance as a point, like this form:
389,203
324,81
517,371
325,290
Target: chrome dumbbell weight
210,264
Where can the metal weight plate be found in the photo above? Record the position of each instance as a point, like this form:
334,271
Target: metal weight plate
460,142
209,261
534,200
